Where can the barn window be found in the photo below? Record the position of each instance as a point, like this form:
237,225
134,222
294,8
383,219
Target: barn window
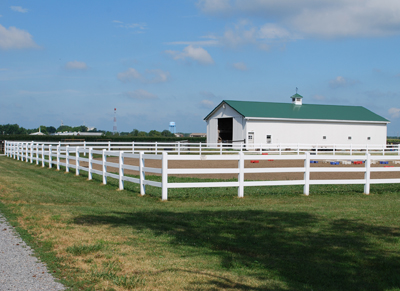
324,137
269,139
349,137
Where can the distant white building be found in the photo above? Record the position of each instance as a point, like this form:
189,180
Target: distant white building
79,133
294,123
37,133
198,135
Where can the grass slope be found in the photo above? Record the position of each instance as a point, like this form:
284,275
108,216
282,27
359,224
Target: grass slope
97,238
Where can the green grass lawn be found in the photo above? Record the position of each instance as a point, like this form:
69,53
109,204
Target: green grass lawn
94,237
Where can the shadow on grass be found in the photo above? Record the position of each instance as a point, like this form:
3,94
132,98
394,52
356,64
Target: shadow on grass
297,250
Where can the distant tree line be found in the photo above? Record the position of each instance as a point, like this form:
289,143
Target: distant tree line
11,129
15,129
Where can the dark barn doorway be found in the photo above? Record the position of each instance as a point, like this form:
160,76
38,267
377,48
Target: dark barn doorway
225,130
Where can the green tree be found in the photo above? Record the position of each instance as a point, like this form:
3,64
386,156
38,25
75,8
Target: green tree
167,133
142,133
63,128
135,132
154,133
51,129
43,129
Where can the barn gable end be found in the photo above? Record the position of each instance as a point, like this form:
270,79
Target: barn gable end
270,122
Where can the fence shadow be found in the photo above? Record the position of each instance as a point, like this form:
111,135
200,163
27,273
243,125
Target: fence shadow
303,251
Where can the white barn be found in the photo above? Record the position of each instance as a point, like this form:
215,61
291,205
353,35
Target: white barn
294,123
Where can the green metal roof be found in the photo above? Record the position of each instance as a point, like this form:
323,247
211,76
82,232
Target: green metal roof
305,111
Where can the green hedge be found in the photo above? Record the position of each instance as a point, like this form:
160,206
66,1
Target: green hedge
98,138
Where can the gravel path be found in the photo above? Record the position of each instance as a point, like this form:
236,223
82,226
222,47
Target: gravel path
19,269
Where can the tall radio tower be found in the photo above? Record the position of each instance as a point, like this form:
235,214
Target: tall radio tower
115,121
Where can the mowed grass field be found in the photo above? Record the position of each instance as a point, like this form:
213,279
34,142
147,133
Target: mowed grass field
94,237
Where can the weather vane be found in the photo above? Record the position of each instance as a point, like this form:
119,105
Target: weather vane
297,89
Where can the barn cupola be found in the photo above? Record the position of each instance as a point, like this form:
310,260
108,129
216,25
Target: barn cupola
297,99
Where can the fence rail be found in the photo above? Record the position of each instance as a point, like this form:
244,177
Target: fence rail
111,164
228,148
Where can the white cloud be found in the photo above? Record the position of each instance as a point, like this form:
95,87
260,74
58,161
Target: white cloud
150,76
157,76
394,112
319,97
317,18
137,27
14,38
75,65
211,42
240,66
141,94
19,9
208,94
208,104
129,75
340,81
245,33
197,54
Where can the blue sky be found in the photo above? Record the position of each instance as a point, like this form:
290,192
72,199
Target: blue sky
158,61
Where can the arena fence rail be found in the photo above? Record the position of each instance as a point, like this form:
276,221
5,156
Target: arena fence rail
111,164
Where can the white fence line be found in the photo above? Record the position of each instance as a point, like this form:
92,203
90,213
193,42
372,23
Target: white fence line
228,148
57,155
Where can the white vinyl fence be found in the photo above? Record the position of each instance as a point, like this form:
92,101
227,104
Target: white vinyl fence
75,156
225,148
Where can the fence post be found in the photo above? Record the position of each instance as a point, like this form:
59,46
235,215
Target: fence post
351,149
133,147
121,170
19,152
32,143
58,157
179,148
156,148
306,190
200,148
280,149
90,176
142,174
50,157
27,152
398,149
164,174
367,174
77,161
109,146
67,159
84,148
104,160
241,175
37,153
43,155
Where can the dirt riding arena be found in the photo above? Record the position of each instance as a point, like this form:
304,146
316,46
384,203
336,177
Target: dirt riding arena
255,176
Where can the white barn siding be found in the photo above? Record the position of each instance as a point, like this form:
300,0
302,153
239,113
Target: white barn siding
212,130
308,132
